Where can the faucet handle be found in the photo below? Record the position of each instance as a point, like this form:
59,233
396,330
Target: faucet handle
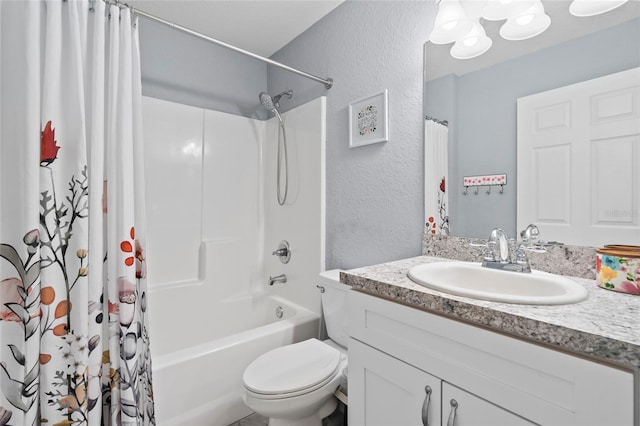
522,259
530,234
489,254
283,252
530,240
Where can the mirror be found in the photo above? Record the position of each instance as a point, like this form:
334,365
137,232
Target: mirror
477,97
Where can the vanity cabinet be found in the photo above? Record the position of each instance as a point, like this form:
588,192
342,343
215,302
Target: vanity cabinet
396,352
465,409
385,391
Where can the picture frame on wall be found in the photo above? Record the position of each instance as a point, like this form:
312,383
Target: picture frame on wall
369,120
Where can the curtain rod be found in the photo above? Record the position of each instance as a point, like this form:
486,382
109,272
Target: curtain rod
328,82
443,122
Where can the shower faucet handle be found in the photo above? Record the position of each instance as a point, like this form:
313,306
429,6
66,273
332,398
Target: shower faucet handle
283,251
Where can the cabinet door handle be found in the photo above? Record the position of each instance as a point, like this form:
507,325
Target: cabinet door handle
452,414
425,406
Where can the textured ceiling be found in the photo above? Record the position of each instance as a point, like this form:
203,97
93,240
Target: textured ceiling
259,26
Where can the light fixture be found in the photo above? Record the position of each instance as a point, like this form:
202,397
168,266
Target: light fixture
585,8
459,21
475,43
451,23
474,8
497,10
530,23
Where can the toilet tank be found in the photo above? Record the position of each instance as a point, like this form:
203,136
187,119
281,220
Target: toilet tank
334,306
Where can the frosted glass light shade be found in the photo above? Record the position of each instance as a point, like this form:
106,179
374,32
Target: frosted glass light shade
529,24
585,8
451,23
475,43
497,10
473,8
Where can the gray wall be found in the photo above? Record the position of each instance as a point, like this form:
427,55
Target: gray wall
182,68
483,125
374,193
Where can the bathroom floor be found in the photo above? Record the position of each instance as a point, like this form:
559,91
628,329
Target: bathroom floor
335,419
253,420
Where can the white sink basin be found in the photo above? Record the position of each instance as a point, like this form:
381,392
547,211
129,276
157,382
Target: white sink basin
472,280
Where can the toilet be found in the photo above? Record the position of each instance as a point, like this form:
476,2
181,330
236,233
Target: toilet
294,385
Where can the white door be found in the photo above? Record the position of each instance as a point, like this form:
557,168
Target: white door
464,409
579,161
384,391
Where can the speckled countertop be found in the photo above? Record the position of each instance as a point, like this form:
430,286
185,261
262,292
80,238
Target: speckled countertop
605,327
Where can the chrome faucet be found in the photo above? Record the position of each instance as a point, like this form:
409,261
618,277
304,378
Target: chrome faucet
511,255
282,278
498,246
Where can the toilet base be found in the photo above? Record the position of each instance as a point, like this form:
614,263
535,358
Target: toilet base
314,420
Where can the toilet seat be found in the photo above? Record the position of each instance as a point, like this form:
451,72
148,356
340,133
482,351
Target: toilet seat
292,370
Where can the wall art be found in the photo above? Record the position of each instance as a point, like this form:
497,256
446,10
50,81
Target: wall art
369,120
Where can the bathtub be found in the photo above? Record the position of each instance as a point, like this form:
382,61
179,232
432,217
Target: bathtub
197,375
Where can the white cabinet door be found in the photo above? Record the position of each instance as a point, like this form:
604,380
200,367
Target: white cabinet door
545,386
579,161
464,409
384,391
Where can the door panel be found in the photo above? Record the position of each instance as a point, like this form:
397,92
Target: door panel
579,161
384,391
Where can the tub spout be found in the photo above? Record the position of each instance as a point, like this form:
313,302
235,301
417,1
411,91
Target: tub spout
282,278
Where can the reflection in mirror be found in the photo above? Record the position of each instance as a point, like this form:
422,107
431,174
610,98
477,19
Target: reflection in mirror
577,160
436,201
478,99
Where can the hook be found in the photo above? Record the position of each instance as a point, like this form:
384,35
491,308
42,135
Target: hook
501,189
477,190
466,190
489,189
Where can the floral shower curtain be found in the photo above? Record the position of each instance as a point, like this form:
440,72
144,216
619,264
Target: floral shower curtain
436,197
74,344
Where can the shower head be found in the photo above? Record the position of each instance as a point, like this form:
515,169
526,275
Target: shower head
273,103
267,102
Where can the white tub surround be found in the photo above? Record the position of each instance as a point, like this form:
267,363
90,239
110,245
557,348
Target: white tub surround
301,221
174,199
213,224
221,208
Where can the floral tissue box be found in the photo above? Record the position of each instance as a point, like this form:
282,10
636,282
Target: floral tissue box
618,268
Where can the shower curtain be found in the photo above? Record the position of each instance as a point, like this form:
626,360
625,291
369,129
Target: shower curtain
436,198
74,344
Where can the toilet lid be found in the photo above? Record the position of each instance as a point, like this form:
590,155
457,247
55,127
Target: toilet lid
292,368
